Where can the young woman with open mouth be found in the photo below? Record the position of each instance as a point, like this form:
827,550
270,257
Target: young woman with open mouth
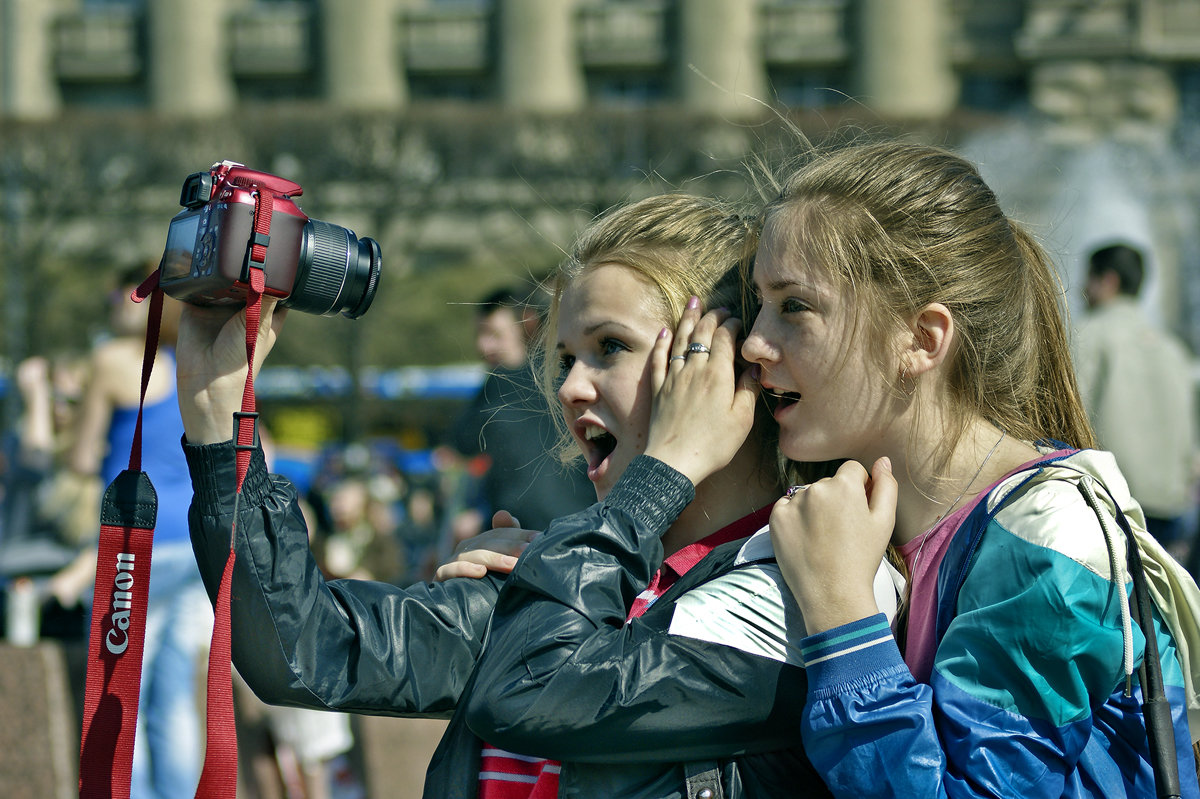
648,643
909,326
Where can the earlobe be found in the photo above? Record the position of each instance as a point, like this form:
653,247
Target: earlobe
932,335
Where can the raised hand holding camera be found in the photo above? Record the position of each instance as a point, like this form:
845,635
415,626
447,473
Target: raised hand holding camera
240,247
309,265
211,366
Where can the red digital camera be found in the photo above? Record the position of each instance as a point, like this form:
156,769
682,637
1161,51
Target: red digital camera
312,266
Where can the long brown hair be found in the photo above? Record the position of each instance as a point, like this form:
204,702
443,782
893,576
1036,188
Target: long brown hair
902,225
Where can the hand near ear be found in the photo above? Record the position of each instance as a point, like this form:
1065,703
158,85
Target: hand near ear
703,403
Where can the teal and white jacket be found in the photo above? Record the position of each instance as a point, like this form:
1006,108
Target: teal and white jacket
1034,647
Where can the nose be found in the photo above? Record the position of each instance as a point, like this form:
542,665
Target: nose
576,387
757,346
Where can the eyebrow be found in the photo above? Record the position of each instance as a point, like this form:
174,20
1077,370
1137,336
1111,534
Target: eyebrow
780,285
784,284
592,329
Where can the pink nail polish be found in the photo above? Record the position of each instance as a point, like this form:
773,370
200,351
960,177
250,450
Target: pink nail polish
693,303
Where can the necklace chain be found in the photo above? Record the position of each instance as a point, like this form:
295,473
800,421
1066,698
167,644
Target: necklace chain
961,494
970,482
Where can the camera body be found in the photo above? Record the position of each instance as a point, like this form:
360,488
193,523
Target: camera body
310,265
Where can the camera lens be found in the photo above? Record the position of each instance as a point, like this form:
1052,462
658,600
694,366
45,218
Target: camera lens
338,272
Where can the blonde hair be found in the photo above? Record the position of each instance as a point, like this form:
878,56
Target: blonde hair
903,225
680,244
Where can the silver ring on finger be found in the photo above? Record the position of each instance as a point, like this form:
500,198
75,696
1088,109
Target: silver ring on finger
696,346
794,490
678,357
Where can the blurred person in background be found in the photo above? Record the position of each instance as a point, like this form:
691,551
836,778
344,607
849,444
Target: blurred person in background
1136,382
360,539
47,510
508,421
419,528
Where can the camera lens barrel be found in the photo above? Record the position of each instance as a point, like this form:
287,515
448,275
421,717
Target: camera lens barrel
338,272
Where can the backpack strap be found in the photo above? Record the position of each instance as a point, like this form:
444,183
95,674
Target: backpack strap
703,780
1156,708
960,553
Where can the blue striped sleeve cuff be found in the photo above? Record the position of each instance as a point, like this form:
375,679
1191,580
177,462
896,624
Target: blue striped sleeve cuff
850,653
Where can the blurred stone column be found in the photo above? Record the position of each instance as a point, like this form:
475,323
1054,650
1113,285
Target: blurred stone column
362,65
721,56
39,740
30,90
189,67
903,58
539,57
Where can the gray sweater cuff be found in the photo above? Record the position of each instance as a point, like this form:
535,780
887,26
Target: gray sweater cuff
651,491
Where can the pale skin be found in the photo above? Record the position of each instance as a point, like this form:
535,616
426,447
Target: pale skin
829,539
211,366
37,397
495,550
701,418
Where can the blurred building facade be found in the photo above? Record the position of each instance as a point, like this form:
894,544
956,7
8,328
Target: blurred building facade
1086,62
473,130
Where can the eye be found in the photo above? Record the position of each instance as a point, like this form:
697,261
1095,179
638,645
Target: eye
794,305
611,346
565,362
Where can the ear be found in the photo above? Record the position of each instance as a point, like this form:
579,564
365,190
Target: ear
929,338
529,322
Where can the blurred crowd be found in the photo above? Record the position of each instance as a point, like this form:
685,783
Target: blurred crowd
378,510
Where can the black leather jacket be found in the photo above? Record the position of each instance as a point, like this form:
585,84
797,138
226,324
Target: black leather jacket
631,710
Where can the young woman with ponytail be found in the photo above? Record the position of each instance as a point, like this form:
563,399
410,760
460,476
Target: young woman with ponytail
909,327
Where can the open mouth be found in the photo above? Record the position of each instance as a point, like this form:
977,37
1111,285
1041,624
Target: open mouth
599,444
779,400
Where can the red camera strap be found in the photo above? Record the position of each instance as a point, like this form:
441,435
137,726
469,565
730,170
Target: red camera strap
219,778
117,638
119,600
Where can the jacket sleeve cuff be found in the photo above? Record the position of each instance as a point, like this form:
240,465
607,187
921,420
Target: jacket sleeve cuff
852,654
651,491
213,468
